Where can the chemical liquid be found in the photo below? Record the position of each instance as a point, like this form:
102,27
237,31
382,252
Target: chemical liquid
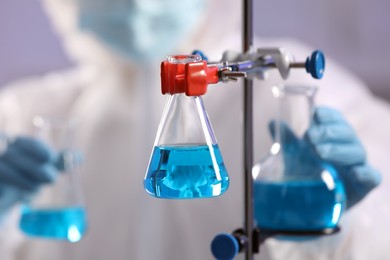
298,205
183,171
65,224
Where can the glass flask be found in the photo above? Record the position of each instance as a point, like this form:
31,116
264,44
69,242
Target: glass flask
186,161
57,211
294,190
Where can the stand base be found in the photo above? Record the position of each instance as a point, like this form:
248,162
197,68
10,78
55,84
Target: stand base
271,232
227,246
260,235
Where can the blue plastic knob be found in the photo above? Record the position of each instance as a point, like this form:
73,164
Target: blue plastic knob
200,53
224,247
315,65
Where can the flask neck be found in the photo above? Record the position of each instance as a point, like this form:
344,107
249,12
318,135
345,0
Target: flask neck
295,110
185,121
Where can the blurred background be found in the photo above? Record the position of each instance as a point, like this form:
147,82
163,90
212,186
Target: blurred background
356,33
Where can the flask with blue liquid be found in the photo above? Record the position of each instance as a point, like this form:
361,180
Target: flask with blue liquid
294,190
57,211
186,161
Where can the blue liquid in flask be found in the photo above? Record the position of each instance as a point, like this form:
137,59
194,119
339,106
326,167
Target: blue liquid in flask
63,224
184,172
298,205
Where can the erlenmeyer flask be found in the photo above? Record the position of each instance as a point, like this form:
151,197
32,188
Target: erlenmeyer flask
186,161
294,190
57,211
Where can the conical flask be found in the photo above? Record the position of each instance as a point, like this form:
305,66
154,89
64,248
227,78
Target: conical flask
294,190
186,161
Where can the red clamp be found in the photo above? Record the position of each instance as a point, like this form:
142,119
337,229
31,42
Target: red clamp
179,74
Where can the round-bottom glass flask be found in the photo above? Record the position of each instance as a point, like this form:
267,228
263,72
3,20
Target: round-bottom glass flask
294,190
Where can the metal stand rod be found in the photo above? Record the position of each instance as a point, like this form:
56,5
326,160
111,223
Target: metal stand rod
248,164
248,130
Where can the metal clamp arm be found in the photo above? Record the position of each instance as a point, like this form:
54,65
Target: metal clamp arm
264,59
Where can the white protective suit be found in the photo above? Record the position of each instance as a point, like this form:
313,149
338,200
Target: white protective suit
119,106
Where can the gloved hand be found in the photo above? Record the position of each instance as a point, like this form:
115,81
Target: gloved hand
301,159
25,165
333,141
336,142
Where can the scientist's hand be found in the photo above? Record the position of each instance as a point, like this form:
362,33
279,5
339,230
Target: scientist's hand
25,165
335,142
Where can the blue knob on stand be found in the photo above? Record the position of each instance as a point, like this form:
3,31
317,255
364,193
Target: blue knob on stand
200,53
315,65
224,246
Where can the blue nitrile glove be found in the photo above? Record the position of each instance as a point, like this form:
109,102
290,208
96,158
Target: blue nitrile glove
336,142
25,165
301,158
331,139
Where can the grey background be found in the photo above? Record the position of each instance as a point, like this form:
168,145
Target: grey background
27,43
354,32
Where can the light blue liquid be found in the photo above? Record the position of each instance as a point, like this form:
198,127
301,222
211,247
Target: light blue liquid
184,172
64,224
298,205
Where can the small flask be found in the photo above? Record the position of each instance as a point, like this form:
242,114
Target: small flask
57,211
186,161
294,190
